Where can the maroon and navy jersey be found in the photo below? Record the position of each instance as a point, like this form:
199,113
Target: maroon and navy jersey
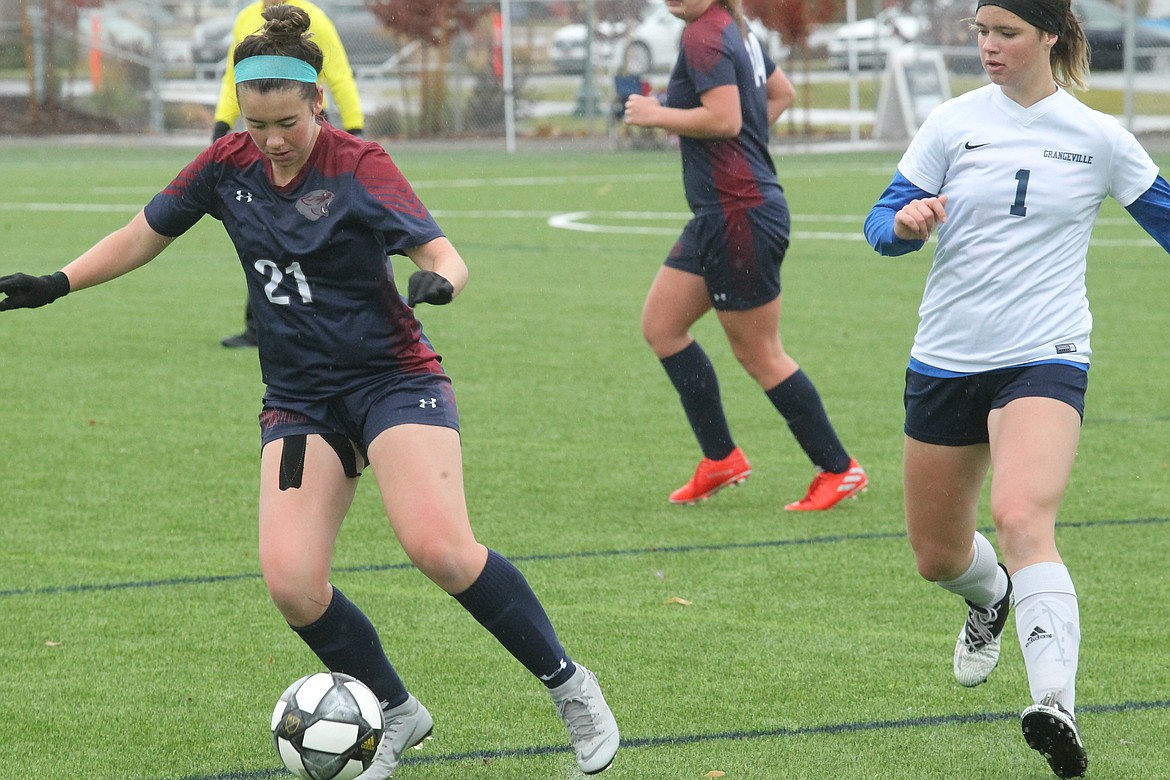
724,173
315,253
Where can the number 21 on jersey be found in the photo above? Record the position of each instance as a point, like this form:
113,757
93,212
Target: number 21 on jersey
275,276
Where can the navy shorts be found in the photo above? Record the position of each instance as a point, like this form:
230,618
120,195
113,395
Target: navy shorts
399,399
738,253
952,411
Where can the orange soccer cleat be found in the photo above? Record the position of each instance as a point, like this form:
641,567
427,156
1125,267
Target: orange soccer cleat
829,489
712,476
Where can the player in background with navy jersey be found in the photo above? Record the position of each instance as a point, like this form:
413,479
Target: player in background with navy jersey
1012,176
313,213
724,95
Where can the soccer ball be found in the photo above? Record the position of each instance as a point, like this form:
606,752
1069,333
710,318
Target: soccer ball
326,726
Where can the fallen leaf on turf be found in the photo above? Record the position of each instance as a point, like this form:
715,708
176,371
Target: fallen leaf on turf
52,643
715,773
677,600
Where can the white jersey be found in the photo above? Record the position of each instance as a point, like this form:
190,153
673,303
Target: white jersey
1024,186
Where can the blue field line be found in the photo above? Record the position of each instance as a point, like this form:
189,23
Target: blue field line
854,727
53,590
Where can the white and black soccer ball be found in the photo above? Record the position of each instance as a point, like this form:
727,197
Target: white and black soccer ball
327,726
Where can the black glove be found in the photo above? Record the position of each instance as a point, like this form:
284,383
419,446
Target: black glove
428,287
220,130
31,292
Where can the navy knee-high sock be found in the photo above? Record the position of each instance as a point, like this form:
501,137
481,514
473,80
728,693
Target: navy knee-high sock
503,603
345,640
693,376
799,403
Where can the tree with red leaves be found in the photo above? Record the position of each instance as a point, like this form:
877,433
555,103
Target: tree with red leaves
795,20
55,16
435,24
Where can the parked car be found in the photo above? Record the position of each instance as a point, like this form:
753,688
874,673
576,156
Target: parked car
366,40
118,26
872,38
1104,25
210,41
566,48
649,45
1102,21
652,45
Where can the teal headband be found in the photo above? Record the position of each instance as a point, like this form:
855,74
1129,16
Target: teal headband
267,66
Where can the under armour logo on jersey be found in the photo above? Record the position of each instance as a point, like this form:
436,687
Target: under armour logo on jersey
316,204
427,403
243,196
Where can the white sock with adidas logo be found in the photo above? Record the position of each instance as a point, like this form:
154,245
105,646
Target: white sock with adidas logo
1048,626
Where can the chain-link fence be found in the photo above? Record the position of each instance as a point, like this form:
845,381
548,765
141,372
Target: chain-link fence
498,69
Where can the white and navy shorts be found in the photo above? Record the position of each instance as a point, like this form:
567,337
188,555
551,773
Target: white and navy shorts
952,411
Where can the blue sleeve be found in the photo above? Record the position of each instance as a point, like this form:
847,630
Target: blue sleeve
879,225
1152,211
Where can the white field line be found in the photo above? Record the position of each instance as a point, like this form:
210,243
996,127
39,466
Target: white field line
600,222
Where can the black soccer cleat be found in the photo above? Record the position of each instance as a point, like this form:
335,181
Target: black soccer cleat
1053,733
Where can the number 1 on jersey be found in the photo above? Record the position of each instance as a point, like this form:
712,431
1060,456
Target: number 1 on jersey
1018,208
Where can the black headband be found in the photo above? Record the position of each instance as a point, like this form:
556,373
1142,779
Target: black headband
1032,12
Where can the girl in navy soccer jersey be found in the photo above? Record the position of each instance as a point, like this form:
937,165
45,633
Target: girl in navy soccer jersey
724,94
1012,176
313,213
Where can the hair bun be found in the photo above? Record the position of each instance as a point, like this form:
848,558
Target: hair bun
285,23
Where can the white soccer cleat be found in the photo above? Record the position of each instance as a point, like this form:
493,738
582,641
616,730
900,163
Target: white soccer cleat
977,649
592,727
405,726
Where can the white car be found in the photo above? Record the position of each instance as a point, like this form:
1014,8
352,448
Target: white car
651,45
117,28
566,48
366,40
873,38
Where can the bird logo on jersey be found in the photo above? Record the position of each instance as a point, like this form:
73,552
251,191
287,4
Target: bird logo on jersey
315,205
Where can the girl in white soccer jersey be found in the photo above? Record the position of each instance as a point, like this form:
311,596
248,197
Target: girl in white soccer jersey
1012,176
350,379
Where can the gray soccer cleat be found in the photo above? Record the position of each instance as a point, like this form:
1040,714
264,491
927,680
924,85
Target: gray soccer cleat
405,726
592,727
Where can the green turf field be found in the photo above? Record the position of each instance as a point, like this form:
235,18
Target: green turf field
138,641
